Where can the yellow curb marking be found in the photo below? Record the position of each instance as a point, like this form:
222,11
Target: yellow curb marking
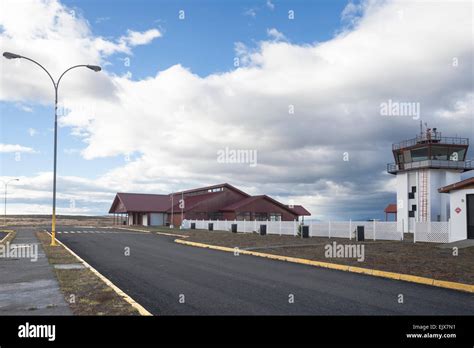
367,271
126,229
121,293
9,232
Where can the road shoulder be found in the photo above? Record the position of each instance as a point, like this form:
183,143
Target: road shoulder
85,289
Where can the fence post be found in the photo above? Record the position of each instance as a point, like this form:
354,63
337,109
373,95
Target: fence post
329,229
403,229
374,228
280,226
350,229
414,231
449,230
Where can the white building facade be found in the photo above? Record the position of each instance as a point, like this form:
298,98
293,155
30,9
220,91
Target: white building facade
461,198
422,166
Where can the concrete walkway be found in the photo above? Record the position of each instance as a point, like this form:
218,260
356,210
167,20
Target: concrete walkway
30,287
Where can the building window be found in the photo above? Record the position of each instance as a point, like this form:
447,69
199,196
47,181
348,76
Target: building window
413,207
411,214
413,189
261,216
243,216
216,216
411,195
275,217
420,154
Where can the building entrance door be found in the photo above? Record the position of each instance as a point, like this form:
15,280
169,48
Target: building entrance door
470,216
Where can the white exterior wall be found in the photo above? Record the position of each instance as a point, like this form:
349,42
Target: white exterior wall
145,219
402,202
459,221
438,204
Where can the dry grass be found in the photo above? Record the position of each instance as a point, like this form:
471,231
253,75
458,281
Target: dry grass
61,220
92,296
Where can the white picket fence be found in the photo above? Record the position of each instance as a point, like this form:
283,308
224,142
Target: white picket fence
375,230
432,231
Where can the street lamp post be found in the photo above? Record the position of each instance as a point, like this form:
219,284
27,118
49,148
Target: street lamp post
5,203
95,68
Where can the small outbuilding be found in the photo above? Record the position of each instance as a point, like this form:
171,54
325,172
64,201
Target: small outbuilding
461,208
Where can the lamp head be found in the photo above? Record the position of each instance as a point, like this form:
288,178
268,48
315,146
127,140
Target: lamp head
10,55
96,68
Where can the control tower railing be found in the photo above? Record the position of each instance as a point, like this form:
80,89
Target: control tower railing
431,139
393,168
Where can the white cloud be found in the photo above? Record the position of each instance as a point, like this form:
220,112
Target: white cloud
270,5
335,88
24,107
275,34
32,132
135,38
37,29
9,148
251,12
352,12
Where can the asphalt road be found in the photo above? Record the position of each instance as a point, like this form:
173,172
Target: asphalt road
171,279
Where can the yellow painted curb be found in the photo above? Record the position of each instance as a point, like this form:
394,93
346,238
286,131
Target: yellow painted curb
385,274
147,231
121,293
453,285
126,229
8,235
416,279
361,270
345,268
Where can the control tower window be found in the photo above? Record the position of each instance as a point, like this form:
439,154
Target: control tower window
419,154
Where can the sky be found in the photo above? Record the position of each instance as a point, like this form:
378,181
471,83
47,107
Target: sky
299,84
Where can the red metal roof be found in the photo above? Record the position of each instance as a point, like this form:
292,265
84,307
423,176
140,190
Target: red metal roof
297,209
391,208
206,188
191,201
300,210
140,202
457,185
241,203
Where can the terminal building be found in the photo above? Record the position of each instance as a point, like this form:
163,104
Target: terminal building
217,202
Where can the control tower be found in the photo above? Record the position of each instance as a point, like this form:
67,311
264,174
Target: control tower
422,165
